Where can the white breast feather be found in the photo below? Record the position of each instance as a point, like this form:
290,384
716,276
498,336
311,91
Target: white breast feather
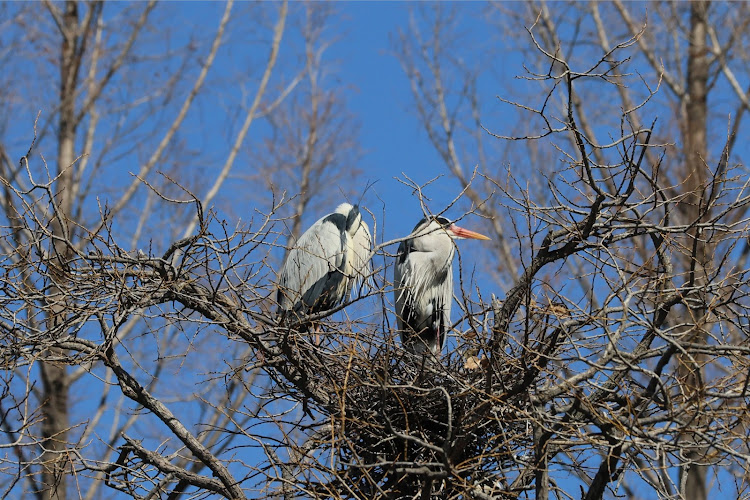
418,289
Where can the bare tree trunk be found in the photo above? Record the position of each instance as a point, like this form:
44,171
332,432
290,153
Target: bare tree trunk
695,109
541,480
693,475
54,375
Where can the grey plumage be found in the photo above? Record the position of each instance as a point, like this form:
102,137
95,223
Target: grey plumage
324,264
423,281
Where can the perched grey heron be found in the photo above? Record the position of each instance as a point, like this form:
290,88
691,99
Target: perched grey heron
324,264
423,281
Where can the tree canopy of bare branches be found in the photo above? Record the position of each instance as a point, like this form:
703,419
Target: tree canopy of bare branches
609,358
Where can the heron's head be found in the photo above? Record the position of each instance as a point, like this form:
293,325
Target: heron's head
440,225
353,217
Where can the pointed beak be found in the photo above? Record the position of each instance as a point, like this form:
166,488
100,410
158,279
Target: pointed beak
465,233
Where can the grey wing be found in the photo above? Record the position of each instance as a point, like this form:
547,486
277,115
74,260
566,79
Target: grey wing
313,262
361,247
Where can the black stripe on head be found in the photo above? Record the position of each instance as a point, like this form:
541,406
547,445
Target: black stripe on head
352,217
440,220
443,222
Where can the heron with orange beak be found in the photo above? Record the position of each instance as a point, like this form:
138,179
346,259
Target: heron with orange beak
423,281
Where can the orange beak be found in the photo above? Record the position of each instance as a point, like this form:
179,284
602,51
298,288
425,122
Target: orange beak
465,233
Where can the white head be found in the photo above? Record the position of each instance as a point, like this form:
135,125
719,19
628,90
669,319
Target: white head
353,217
435,232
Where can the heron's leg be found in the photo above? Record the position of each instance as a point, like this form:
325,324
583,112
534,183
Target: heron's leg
316,334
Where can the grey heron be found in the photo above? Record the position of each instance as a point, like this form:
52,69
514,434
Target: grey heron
324,263
423,281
